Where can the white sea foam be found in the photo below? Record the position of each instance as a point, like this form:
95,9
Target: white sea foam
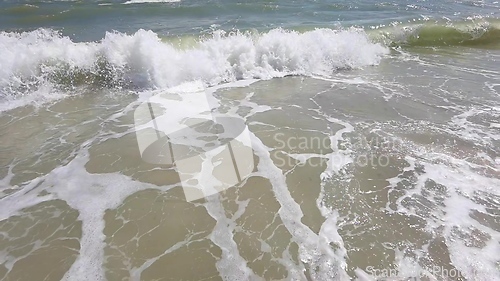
231,265
91,195
473,262
314,249
33,60
453,218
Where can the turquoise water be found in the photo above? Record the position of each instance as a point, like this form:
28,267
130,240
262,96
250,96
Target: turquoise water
365,143
89,20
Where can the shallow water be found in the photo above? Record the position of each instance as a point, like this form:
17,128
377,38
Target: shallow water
375,153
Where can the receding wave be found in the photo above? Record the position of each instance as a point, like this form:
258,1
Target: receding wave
482,34
144,60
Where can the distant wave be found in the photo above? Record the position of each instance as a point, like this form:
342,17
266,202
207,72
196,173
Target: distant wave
150,1
479,34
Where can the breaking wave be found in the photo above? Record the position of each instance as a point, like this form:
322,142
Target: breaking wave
144,60
483,34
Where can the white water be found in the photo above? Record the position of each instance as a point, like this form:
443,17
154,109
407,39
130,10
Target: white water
34,61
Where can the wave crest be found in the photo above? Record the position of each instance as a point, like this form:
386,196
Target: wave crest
143,59
483,34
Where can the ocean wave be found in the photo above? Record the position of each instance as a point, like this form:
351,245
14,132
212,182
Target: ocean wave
144,60
477,34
